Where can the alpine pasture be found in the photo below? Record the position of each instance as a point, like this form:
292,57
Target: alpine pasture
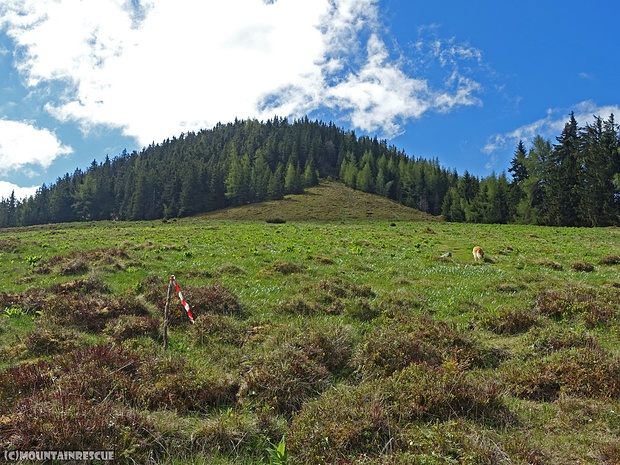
331,327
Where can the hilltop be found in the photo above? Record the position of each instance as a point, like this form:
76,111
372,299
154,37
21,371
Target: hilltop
329,201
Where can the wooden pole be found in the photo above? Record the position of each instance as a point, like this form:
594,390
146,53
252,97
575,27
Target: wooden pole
166,313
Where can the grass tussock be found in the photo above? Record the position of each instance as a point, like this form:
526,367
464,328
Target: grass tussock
422,341
377,415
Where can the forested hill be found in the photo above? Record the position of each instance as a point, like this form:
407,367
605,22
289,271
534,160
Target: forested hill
231,164
575,182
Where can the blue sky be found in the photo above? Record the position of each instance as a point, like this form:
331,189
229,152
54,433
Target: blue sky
459,81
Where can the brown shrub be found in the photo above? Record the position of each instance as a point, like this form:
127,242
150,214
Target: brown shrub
51,341
89,312
546,340
222,329
422,340
29,302
63,420
610,260
551,264
365,419
582,266
509,321
131,326
283,267
81,286
23,381
586,372
284,378
593,306
170,383
212,299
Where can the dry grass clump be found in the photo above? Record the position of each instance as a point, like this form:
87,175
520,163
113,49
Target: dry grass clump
585,371
89,312
548,263
49,341
283,267
594,307
284,378
541,341
291,368
81,286
610,260
379,415
230,269
80,262
422,340
172,384
222,329
63,420
510,321
582,266
334,296
213,299
131,326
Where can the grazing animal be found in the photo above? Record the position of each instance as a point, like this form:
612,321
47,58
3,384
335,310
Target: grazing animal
478,253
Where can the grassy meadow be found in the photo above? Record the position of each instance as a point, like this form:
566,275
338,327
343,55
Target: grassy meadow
362,332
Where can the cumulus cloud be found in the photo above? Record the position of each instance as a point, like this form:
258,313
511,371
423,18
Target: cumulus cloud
550,126
155,68
22,144
21,193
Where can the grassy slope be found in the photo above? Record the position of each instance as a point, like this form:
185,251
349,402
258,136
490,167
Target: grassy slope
293,281
330,201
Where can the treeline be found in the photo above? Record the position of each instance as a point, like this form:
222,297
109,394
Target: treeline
575,182
572,183
230,165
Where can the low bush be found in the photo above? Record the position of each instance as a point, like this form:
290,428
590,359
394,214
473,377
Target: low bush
213,299
89,312
284,378
582,266
593,307
422,340
377,415
543,341
49,341
130,326
585,371
172,384
222,329
610,260
64,420
510,321
283,267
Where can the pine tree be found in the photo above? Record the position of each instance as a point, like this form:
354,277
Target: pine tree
565,177
599,146
364,179
292,180
275,189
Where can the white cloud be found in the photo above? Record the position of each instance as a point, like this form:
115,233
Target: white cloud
155,68
21,193
22,144
548,127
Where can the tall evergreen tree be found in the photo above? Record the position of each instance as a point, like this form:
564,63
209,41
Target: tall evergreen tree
565,177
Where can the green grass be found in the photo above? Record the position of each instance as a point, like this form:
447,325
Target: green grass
348,335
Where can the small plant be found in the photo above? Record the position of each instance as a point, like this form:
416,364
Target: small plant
33,260
278,455
14,312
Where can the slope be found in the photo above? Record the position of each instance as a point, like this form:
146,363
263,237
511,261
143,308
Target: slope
330,201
